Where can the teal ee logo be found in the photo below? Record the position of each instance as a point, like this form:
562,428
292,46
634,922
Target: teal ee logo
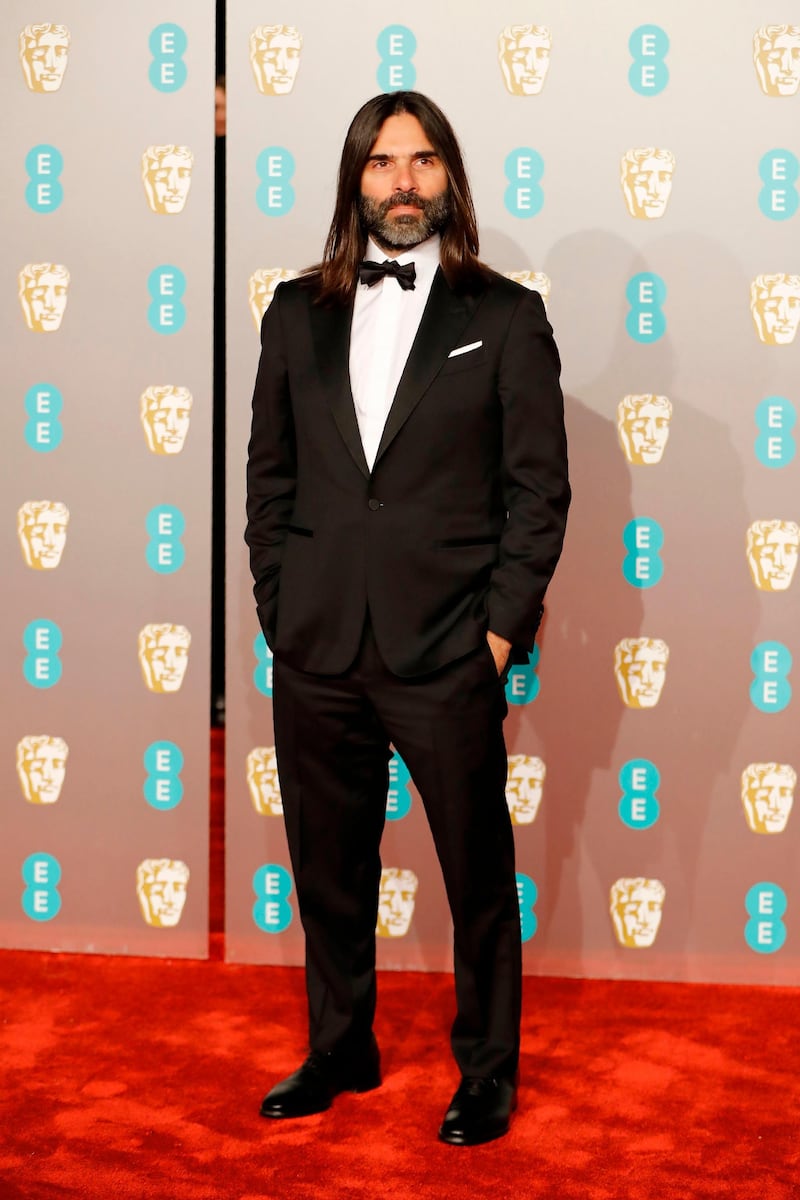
41,873
275,168
42,666
646,294
167,71
166,286
522,685
648,74
638,806
43,405
527,894
766,904
396,47
771,663
165,526
523,169
398,797
775,445
163,762
262,675
643,538
272,911
44,192
778,198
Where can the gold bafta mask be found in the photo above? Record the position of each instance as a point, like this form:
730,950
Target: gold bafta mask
396,902
636,907
161,885
643,428
524,54
165,413
524,787
534,281
163,656
167,177
776,54
43,53
768,795
275,58
42,530
262,779
261,288
41,767
646,178
640,667
772,549
775,307
43,295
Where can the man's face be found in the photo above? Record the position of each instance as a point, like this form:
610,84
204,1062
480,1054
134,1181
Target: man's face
776,312
524,787
42,766
165,417
774,557
167,183
398,890
643,431
262,778
778,64
768,798
162,892
164,656
45,61
404,187
44,301
524,64
641,674
43,534
647,187
275,60
636,912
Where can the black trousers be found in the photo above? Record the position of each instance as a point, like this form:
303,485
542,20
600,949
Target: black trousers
332,736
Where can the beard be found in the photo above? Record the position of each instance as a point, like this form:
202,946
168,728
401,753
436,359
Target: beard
409,229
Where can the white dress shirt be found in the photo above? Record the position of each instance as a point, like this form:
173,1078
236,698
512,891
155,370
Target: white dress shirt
385,323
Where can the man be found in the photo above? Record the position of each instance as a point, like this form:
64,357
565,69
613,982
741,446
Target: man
407,496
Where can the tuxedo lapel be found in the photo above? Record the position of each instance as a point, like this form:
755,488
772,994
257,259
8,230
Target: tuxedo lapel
330,331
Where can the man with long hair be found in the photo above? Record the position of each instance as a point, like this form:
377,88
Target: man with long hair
407,497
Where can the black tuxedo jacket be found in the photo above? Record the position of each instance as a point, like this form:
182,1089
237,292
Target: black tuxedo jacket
458,527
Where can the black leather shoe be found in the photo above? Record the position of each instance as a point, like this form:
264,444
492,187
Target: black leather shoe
311,1089
480,1111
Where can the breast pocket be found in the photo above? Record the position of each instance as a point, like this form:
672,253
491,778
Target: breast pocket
468,361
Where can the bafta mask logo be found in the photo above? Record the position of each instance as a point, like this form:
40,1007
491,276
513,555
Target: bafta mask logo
636,907
163,656
640,667
41,767
43,53
42,529
275,58
776,54
261,289
165,413
772,549
534,281
768,795
161,885
524,53
775,306
262,779
646,178
396,902
43,295
524,787
167,177
643,428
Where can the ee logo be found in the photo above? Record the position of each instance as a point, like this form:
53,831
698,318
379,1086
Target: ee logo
523,169
262,675
646,293
522,685
766,904
42,666
528,894
648,74
272,911
771,663
41,874
778,198
396,47
43,404
638,806
167,71
643,538
44,192
165,526
166,286
163,762
775,445
275,168
398,797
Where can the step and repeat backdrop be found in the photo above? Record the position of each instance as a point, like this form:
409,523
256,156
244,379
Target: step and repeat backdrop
106,299
641,171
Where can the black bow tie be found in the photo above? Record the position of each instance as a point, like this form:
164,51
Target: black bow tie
371,273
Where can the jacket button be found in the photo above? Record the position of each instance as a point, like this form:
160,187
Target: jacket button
374,504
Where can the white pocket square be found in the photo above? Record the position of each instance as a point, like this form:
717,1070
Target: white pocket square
464,349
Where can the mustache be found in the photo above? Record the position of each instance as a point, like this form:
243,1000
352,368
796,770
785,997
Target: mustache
410,199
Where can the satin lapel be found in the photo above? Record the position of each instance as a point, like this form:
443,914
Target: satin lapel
444,317
330,331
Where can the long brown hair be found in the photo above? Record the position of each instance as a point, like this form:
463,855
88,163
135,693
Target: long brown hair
337,274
